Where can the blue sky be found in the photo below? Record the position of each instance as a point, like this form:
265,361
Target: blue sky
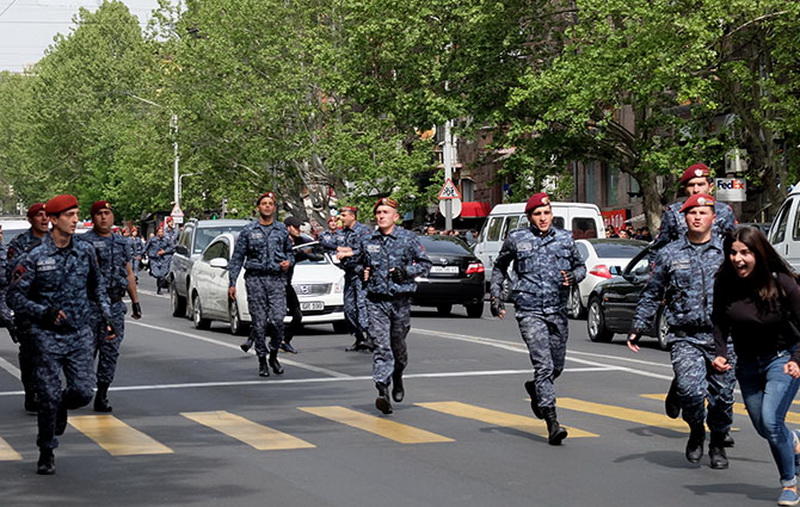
27,27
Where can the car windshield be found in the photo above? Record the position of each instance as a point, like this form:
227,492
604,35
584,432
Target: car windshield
313,254
446,245
206,234
618,248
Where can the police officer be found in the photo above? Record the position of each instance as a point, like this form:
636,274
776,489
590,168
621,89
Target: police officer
355,297
389,259
683,275
114,254
52,286
265,251
293,225
547,263
18,246
159,251
696,179
137,247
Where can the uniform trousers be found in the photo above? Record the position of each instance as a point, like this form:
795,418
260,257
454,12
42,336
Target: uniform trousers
389,323
546,338
266,301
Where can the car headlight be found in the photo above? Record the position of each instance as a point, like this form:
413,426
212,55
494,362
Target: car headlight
338,287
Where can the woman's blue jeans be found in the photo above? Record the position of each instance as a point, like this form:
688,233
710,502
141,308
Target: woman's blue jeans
768,393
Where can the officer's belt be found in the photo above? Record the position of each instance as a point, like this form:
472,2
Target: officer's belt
116,295
684,331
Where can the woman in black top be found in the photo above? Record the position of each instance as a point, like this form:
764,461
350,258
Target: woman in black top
756,300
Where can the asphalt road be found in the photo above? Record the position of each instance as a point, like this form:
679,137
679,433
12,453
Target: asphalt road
193,424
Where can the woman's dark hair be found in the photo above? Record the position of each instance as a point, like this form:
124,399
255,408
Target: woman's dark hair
768,264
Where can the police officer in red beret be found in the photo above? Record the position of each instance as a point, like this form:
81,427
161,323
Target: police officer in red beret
547,264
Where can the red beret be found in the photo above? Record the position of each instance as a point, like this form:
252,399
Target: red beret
536,200
60,204
695,171
271,195
697,200
385,201
348,209
97,206
35,208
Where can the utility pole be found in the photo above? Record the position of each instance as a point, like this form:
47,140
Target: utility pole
448,156
176,163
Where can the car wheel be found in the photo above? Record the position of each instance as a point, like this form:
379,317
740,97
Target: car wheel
444,309
237,326
199,321
663,330
475,311
596,323
176,302
340,327
574,305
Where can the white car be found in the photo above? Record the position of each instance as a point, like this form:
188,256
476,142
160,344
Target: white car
319,286
604,258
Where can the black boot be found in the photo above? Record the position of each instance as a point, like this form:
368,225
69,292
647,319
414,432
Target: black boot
716,451
288,347
382,402
672,403
273,362
246,345
398,393
61,418
694,447
263,370
555,432
358,344
530,386
31,403
728,441
101,398
47,462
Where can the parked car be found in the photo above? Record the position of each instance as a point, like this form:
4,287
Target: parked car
582,219
193,239
604,258
612,304
784,233
456,277
319,285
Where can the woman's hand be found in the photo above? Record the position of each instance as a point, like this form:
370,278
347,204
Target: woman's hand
792,369
721,364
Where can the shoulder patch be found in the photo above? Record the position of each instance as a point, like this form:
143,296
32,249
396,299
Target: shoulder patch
524,246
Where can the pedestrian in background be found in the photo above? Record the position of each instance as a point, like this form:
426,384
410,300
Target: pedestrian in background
137,247
757,303
264,250
547,264
52,286
159,250
683,276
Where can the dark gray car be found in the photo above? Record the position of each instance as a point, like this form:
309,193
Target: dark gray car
195,236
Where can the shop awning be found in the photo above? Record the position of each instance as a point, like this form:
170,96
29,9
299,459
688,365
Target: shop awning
475,209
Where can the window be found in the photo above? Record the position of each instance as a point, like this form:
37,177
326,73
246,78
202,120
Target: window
511,224
558,222
779,232
205,235
583,228
467,189
185,238
618,249
494,229
216,250
611,184
796,231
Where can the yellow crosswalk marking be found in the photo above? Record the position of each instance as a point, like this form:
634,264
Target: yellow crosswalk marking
7,453
738,408
253,434
116,437
497,418
385,428
624,414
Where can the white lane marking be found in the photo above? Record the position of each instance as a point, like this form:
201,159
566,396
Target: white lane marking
491,342
151,293
489,373
10,368
305,366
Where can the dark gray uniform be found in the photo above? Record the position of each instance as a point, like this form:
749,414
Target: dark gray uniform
159,264
683,275
540,298
388,302
260,249
48,279
113,255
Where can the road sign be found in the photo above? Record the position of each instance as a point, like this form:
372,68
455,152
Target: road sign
456,202
449,191
177,214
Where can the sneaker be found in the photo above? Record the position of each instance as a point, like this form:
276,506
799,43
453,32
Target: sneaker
789,496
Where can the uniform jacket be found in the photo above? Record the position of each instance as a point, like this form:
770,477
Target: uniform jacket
114,253
538,262
137,246
352,237
383,252
159,264
260,249
673,223
684,277
18,246
64,279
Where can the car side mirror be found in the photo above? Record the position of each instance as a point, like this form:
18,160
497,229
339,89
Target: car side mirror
182,250
218,262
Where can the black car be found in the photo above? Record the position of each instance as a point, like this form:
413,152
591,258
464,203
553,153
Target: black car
612,304
456,277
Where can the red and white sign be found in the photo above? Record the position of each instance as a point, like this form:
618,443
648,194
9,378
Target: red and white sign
449,191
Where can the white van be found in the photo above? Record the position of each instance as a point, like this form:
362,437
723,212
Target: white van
13,227
584,220
784,233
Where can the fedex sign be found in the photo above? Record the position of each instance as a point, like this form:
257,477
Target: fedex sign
731,189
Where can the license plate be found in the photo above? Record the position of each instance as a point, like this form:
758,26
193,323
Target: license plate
310,306
444,269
